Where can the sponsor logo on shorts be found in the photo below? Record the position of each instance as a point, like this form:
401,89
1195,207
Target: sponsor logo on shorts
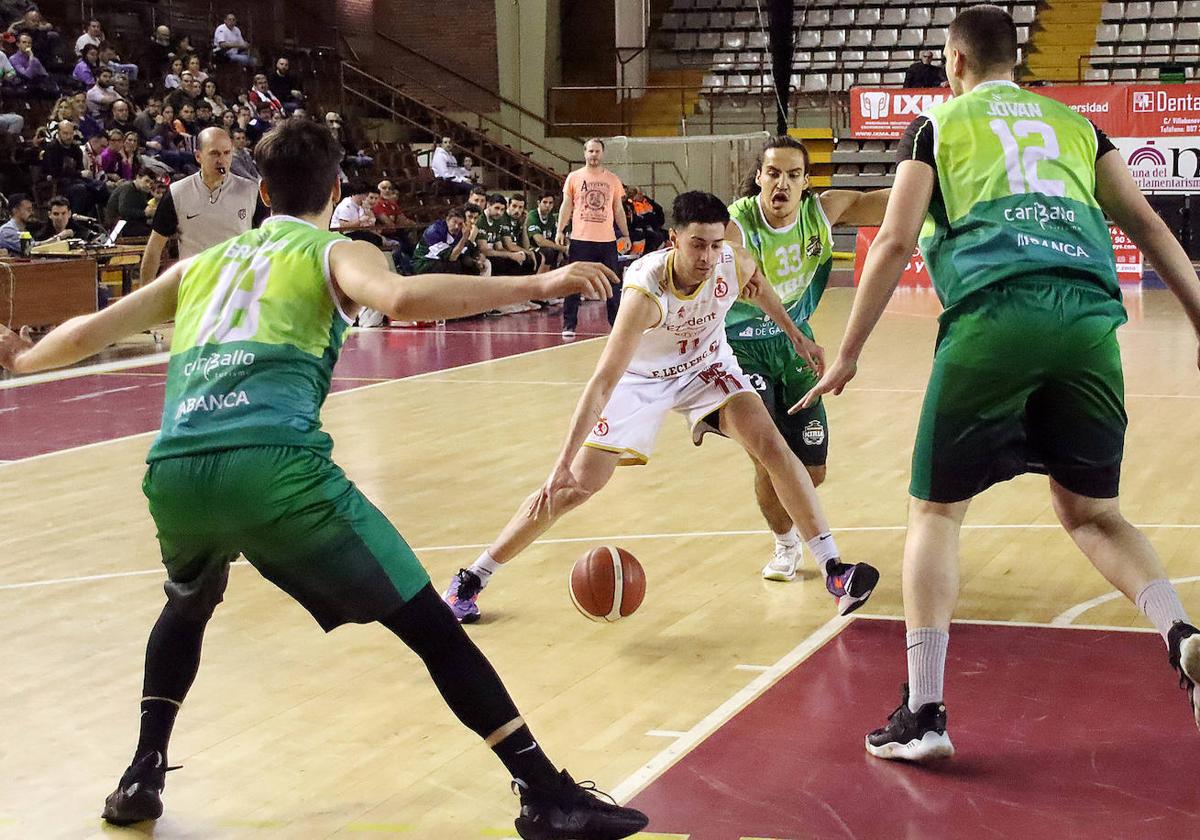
814,433
211,402
601,428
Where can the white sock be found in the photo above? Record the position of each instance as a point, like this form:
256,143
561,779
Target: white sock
1159,601
484,567
824,549
926,666
790,540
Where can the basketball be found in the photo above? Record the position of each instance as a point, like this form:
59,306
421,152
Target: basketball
607,584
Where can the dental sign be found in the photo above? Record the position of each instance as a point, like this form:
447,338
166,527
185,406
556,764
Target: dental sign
1119,110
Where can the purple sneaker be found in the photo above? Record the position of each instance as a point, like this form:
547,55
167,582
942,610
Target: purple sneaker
461,595
852,585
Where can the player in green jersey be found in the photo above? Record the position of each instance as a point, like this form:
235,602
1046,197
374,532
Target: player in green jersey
242,466
1007,191
787,228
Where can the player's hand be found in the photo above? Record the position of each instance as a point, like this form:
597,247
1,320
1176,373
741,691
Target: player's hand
592,280
13,345
519,257
834,381
624,245
561,240
560,480
812,353
753,287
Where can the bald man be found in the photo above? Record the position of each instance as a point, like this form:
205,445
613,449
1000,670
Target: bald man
203,209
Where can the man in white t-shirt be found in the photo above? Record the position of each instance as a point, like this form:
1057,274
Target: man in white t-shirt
352,211
93,35
446,169
668,352
229,44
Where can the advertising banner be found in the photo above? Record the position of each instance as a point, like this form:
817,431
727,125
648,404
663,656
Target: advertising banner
1163,164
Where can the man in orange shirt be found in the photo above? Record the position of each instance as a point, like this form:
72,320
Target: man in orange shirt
592,203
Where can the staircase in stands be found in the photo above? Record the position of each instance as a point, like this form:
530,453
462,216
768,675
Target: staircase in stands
1066,31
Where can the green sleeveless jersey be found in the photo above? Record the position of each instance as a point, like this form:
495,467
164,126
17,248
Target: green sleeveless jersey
1015,195
796,260
257,333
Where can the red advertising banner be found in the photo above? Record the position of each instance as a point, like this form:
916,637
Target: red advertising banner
1120,110
1128,257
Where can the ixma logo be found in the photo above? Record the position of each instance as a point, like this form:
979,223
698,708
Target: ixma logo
880,104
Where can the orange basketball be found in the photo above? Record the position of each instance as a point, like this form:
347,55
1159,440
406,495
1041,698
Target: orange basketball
607,584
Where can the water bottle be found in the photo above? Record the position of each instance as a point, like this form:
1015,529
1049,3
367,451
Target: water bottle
26,243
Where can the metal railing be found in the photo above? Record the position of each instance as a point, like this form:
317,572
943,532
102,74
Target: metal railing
383,95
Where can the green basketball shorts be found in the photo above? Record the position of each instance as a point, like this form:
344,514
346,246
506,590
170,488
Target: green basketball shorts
1026,378
295,516
782,378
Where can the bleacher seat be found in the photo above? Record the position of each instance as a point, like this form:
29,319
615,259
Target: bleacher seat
815,83
1188,32
1112,12
1095,74
833,38
809,39
1023,15
1164,10
1123,74
841,18
1108,33
894,16
1161,32
708,41
919,17
859,38
868,17
733,41
1137,11
745,20
943,15
758,40
1189,10
1187,51
893,78
1158,52
1133,32
936,37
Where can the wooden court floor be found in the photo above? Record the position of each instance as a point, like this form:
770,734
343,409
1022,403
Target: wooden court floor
289,733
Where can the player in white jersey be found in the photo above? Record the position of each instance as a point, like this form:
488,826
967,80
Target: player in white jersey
668,352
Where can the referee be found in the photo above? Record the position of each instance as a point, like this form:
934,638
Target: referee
204,209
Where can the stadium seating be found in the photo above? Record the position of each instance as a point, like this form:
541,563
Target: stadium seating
838,43
1133,40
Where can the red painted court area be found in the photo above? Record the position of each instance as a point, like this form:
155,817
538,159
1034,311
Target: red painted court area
1060,733
90,408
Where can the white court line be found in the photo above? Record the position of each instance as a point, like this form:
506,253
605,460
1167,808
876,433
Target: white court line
1041,625
86,370
95,394
648,772
354,390
1067,617
428,549
751,667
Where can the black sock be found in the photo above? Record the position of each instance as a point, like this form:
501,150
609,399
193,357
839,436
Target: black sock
469,684
526,761
172,660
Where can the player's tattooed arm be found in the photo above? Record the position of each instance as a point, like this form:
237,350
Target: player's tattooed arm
87,335
851,207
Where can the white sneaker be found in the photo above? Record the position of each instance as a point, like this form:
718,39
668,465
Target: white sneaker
783,565
568,333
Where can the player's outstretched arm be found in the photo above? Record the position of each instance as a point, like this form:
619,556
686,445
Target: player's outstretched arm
87,335
361,272
1124,203
762,294
851,207
885,263
637,314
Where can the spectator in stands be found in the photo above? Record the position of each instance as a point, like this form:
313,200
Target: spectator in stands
63,110
924,73
193,66
185,126
174,77
352,212
261,94
171,149
260,125
159,52
110,59
244,116
42,34
122,158
188,91
229,45
355,155
446,247
121,118
646,221
204,116
494,236
285,86
128,203
11,123
21,208
541,224
34,79
88,124
93,34
8,75
450,175
148,120
184,49
92,148
387,208
243,161
61,223
228,121
213,97
101,95
478,198
88,66
520,237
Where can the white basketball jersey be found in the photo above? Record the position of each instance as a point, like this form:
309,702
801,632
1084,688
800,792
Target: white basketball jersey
690,329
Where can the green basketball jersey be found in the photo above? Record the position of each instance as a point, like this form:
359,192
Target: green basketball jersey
1015,194
493,232
534,224
257,333
796,260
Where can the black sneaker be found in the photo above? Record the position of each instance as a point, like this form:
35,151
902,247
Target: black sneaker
851,584
912,736
574,812
1183,641
139,793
